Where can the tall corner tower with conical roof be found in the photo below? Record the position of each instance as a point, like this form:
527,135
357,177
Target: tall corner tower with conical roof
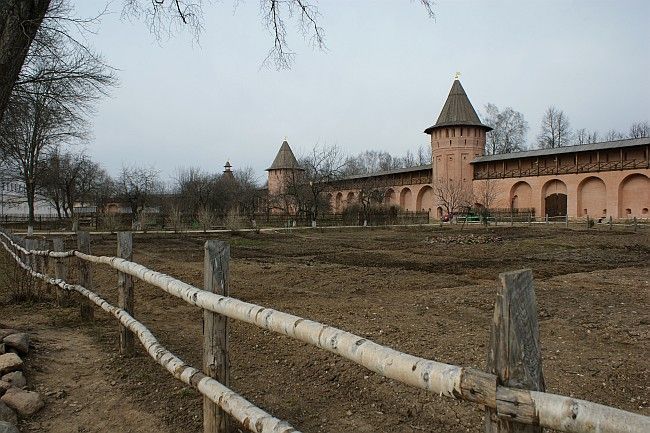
457,137
284,170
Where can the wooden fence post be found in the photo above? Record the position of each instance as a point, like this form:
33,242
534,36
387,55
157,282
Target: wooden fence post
85,275
216,362
60,273
125,290
566,220
611,224
529,218
635,225
514,355
546,218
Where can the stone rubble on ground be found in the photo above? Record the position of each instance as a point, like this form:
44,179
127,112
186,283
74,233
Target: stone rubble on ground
24,402
14,400
10,362
7,414
15,378
18,341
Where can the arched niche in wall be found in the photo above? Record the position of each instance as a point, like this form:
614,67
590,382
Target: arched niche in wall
634,196
592,197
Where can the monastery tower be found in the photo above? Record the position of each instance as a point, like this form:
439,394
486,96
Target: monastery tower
283,170
457,137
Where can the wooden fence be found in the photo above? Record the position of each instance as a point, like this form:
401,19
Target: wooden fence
512,391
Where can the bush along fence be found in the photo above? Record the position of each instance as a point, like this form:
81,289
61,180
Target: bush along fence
512,391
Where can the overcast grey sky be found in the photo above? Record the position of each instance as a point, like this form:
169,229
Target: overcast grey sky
381,82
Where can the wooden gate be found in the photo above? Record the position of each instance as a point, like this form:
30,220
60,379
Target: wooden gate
556,205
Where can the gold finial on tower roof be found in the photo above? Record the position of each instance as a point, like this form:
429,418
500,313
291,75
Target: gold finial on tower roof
457,76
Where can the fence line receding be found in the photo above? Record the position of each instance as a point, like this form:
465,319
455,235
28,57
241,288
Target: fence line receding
515,358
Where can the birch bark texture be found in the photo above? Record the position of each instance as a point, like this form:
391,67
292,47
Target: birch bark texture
125,291
85,276
515,354
216,362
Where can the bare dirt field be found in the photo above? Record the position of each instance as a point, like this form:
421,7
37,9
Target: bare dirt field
426,291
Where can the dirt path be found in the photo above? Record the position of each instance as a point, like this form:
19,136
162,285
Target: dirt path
67,367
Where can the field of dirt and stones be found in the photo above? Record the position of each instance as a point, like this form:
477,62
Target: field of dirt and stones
427,291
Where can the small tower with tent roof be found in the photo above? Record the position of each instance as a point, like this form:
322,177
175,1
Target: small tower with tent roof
284,170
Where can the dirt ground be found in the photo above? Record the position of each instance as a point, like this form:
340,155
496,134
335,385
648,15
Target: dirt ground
426,291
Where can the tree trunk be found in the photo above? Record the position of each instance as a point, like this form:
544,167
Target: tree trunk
30,190
19,22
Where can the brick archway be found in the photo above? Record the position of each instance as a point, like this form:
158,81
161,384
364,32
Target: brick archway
634,196
424,201
389,197
554,198
521,196
592,197
405,198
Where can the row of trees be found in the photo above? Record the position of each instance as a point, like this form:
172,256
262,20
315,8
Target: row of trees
556,131
70,181
373,161
510,129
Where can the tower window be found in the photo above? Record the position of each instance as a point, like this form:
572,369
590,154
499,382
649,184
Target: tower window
447,132
461,132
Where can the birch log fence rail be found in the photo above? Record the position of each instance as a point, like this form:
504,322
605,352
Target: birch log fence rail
512,393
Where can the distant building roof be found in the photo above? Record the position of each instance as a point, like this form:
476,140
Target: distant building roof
567,149
388,172
285,159
457,110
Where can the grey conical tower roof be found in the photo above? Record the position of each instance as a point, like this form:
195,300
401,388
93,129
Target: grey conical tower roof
285,159
457,110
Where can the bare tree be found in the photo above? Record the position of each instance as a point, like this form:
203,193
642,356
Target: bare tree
509,130
408,160
249,194
613,135
19,23
60,180
44,27
485,194
195,190
39,119
555,130
323,165
424,155
639,130
371,161
136,186
51,100
582,136
371,195
453,196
